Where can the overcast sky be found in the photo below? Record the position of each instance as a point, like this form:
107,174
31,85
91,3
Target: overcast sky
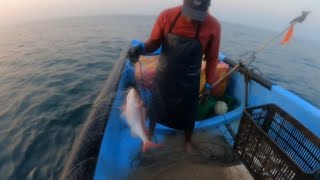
268,14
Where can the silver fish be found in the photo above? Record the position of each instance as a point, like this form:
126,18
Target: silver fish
135,114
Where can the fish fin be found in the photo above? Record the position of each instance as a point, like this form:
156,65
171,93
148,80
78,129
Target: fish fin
144,114
123,108
140,103
150,145
133,134
123,111
144,119
123,114
145,130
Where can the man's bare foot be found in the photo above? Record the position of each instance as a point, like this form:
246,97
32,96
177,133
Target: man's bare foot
150,145
190,147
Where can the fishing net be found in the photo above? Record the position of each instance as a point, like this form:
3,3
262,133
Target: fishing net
212,158
145,71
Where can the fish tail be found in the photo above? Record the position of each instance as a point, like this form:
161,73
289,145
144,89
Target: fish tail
150,145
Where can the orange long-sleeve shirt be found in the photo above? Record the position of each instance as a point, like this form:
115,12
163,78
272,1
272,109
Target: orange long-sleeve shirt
209,36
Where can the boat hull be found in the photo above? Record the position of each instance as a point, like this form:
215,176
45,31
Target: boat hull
113,149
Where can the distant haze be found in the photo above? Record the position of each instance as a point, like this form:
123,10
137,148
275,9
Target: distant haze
267,14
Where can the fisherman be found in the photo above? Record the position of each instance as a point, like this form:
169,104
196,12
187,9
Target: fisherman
185,33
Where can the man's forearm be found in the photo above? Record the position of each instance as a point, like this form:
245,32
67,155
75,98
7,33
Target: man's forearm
152,45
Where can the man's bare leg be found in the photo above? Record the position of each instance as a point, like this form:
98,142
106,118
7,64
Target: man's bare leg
188,140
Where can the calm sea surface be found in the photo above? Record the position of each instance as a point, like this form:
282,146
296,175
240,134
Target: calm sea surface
52,71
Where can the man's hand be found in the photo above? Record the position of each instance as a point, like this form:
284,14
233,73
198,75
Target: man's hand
206,93
134,53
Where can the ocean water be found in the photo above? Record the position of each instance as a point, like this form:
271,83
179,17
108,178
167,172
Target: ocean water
52,71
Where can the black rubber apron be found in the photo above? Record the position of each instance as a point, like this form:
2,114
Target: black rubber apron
175,94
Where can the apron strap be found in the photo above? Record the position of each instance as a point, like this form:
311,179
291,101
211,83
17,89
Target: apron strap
198,30
174,22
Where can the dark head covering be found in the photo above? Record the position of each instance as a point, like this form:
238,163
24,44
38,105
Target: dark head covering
196,9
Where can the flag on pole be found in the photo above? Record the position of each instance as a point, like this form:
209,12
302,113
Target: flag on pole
289,34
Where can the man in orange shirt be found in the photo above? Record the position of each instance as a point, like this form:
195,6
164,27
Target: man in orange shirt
185,33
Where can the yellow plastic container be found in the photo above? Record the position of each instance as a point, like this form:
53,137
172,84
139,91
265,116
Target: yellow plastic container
219,89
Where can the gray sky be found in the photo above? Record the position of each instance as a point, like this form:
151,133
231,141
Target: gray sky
268,14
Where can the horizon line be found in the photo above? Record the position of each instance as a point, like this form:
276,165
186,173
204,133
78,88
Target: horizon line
39,20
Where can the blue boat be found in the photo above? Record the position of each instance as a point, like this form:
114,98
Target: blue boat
105,149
